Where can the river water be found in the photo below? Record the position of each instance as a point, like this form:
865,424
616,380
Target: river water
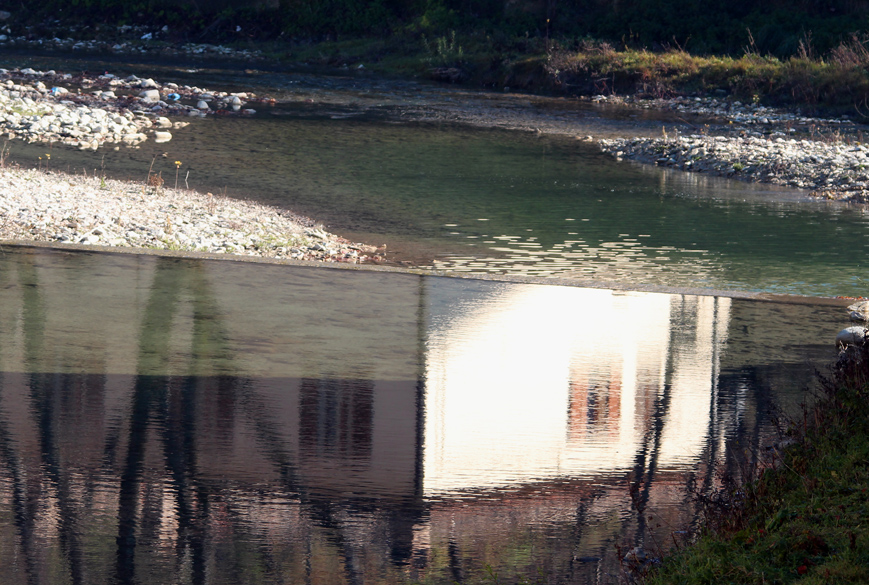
492,183
200,421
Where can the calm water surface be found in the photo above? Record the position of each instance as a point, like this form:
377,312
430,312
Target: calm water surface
190,421
408,164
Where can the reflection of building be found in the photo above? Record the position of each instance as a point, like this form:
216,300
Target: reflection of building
223,420
544,382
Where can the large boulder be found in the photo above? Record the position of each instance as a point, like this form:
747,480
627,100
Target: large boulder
855,335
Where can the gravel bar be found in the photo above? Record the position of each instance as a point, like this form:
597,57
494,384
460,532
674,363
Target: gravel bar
55,207
757,144
88,112
837,171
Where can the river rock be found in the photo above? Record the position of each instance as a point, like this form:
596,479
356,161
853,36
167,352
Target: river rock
161,137
859,311
150,95
133,138
202,105
34,107
855,335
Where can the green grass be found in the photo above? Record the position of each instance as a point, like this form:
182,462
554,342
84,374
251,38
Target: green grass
806,519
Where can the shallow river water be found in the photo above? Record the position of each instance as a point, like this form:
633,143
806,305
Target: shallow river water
492,183
168,420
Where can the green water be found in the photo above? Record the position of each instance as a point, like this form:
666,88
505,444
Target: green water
385,162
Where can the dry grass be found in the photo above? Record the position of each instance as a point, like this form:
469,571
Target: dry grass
835,82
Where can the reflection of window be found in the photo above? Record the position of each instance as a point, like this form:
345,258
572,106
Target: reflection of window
336,418
595,404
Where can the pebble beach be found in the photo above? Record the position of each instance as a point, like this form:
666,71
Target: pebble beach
837,171
757,144
53,207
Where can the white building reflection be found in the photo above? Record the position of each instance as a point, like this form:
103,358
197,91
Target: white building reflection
541,382
333,425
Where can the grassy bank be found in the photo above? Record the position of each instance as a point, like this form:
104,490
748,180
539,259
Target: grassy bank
818,68
835,83
805,519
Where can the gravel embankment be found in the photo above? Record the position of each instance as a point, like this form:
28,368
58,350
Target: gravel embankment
88,112
757,144
52,207
834,171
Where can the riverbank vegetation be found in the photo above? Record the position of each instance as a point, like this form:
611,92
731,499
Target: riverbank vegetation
784,52
803,520
778,26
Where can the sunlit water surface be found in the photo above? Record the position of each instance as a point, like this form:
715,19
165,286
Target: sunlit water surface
172,420
477,182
